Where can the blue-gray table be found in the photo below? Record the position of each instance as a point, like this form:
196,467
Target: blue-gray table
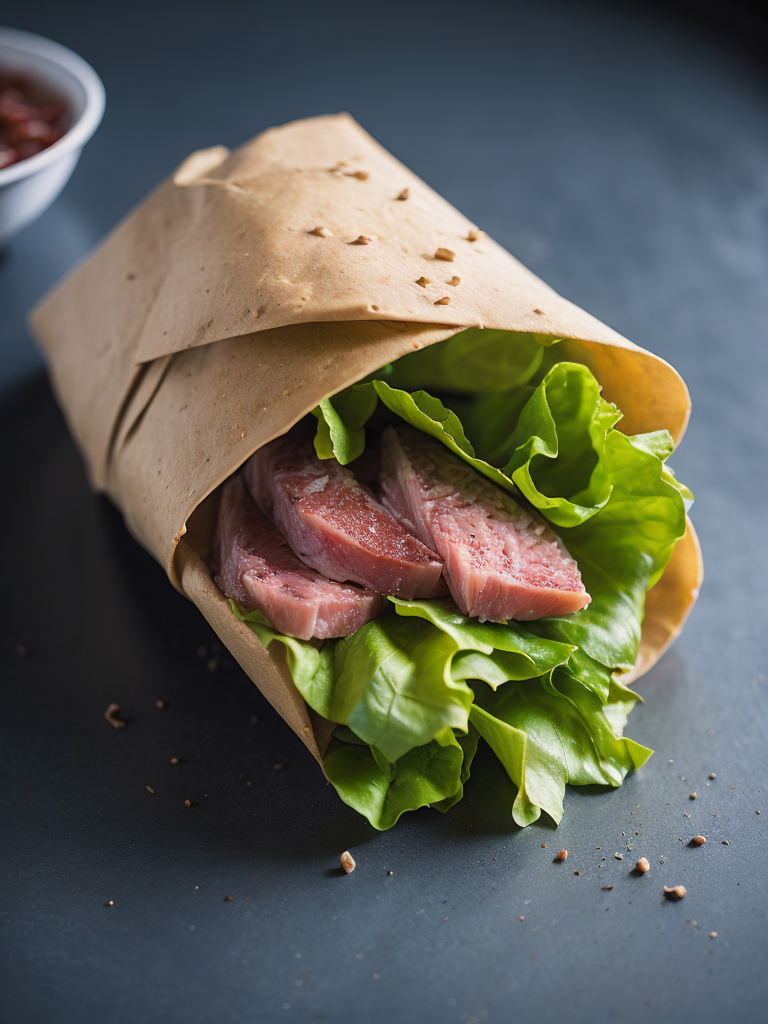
624,157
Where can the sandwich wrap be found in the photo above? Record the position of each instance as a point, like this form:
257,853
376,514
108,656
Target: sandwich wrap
252,285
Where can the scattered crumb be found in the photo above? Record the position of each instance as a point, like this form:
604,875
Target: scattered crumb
670,761
187,803
277,767
443,302
693,796
228,898
539,311
699,840
678,891
643,865
423,281
174,760
577,872
390,872
112,716
445,254
726,843
713,776
563,855
402,197
543,846
149,789
474,235
685,814
161,705
111,903
363,240
522,917
607,886
713,935
360,175
249,783
321,232
347,861
619,856
455,280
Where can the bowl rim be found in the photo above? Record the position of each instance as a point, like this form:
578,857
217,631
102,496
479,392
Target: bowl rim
88,121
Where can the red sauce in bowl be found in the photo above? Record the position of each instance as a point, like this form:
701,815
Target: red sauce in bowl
30,119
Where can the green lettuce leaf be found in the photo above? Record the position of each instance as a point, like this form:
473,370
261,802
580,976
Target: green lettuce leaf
393,685
549,734
472,362
341,423
493,651
433,774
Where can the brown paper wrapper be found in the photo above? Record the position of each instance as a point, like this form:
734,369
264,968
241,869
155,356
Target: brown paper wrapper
254,283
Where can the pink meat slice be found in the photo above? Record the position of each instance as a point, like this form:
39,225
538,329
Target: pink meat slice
334,523
500,561
259,570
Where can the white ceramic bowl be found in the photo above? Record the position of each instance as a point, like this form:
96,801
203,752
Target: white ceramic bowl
30,186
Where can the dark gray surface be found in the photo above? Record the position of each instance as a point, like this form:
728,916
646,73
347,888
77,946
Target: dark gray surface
625,159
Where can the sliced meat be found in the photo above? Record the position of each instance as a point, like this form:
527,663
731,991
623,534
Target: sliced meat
258,569
335,525
500,561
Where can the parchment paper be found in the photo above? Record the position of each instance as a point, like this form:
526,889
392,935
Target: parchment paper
254,283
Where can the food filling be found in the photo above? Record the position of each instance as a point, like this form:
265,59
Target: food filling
258,569
335,525
500,561
440,522
465,564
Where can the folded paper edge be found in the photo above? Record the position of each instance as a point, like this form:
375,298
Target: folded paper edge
248,651
669,603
